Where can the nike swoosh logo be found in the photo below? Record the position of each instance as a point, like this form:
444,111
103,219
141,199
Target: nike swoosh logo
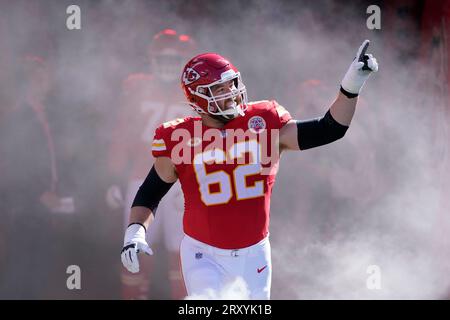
261,270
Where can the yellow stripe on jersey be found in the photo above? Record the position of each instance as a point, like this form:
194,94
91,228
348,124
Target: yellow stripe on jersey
158,145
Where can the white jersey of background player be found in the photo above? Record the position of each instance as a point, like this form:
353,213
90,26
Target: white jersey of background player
147,101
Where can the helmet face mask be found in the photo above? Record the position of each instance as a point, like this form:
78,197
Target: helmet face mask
206,73
167,54
167,65
236,93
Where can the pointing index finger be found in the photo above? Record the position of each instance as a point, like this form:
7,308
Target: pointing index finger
362,50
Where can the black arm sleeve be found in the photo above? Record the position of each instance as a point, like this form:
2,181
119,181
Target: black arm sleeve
320,131
151,191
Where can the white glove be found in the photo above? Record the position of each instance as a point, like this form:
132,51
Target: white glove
134,242
114,197
360,70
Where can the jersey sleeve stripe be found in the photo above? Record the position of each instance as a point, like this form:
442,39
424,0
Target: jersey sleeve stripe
159,145
159,148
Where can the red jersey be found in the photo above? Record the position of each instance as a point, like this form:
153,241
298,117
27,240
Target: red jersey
226,174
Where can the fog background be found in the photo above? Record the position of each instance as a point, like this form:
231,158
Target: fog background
376,197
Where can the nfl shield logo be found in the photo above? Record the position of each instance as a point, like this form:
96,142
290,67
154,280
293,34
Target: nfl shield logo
256,124
198,255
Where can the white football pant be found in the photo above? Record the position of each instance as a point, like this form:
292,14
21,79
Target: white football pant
207,270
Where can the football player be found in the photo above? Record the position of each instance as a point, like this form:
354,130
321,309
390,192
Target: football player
147,100
220,160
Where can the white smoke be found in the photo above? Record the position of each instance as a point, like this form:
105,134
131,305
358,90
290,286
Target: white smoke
373,198
236,289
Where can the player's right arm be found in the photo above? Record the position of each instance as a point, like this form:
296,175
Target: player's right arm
157,183
302,135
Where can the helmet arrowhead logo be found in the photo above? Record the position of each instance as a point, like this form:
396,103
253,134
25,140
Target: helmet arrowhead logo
189,76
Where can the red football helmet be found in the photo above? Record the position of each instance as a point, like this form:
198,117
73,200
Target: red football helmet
168,52
203,72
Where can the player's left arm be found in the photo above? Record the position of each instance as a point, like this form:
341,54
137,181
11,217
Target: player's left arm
302,135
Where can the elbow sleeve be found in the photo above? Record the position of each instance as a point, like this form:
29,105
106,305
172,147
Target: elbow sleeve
318,132
152,190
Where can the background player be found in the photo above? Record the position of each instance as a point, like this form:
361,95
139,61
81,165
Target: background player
148,100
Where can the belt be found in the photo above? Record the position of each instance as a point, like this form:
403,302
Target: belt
226,252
